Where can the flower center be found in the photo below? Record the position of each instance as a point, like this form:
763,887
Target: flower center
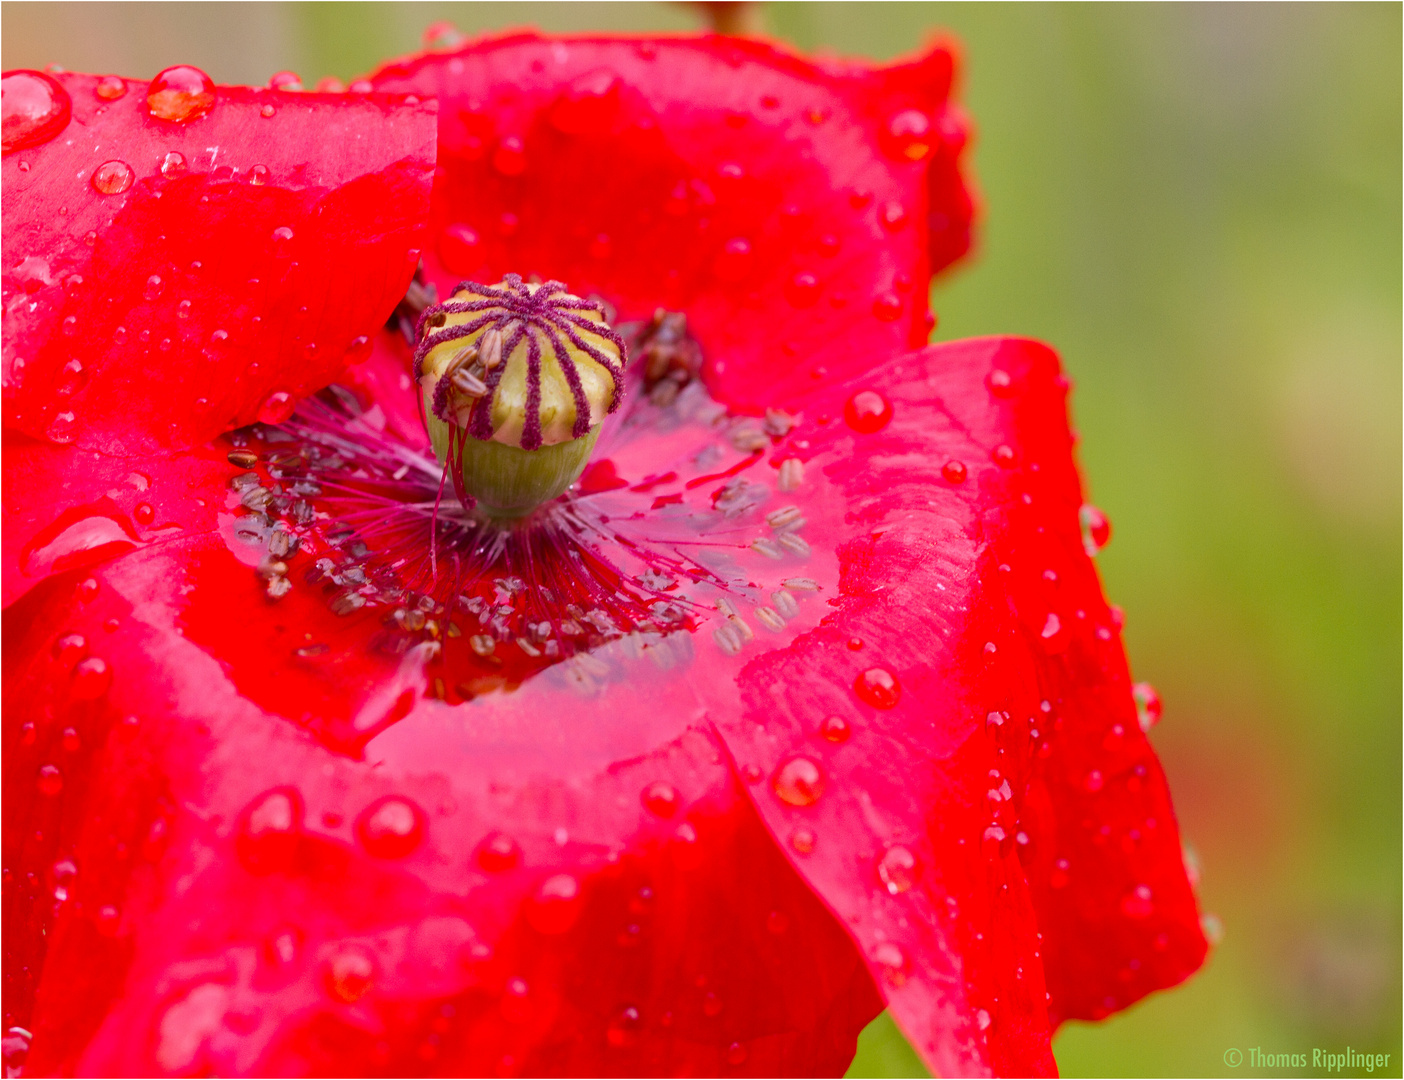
515,380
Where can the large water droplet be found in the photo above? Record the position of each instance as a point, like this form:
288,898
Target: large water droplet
736,1054
909,135
180,94
624,1027
798,782
391,827
350,973
15,1048
894,215
173,164
277,407
661,799
112,178
69,649
50,780
498,852
509,159
898,869
285,80
1096,529
110,88
258,175
1148,706
33,109
867,411
835,729
556,904
1000,382
268,831
91,678
878,687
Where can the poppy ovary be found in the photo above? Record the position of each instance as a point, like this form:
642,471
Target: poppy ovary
515,380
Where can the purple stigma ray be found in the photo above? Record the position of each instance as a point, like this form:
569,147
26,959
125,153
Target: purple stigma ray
553,313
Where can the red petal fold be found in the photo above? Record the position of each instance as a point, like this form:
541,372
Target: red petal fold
794,209
165,281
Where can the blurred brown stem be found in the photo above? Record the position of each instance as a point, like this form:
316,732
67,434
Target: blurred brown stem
737,18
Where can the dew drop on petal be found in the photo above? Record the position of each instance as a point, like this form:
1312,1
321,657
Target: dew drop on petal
391,827
624,1027
1138,903
267,112
50,780
509,159
350,972
285,80
498,852
711,1004
1096,529
516,1004
867,411
282,234
802,290
1000,382
982,1019
803,840
887,306
268,830
835,729
110,88
556,904
154,287
1148,706
661,798
180,94
277,407
1003,455
460,248
33,109
894,216
733,263
897,869
258,175
736,1054
112,178
91,678
909,135
173,164
69,649
1093,782
878,687
891,961
954,471
777,922
798,782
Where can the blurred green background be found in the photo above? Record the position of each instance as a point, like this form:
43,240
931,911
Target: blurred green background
1199,205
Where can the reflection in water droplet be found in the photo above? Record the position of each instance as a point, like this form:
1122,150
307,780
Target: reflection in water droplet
154,287
1003,455
277,407
180,94
898,869
909,135
803,840
623,1029
173,164
110,88
460,248
112,177
268,830
285,80
1000,382
556,904
1148,707
391,827
1093,782
891,961
661,799
803,290
894,216
282,234
835,729
350,973
35,108
798,782
509,159
733,263
69,649
71,742
982,1019
878,687
91,678
887,306
50,780
867,411
1138,903
258,175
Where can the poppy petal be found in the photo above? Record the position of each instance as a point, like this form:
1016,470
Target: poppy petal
779,201
172,278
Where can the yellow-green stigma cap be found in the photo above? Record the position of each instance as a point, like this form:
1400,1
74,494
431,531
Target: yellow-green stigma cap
515,380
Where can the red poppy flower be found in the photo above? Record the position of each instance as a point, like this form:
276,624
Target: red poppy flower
806,699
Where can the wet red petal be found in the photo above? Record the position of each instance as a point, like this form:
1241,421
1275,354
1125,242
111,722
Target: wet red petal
777,200
944,833
165,281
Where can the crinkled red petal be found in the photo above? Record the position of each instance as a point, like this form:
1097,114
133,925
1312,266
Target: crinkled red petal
795,210
165,281
565,876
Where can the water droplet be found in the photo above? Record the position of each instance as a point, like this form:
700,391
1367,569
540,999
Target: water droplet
69,649
282,234
1093,782
112,178
285,80
515,1004
1000,382
509,158
71,742
180,94
1003,455
1148,707
711,1004
144,513
835,729
154,287
733,263
777,922
587,106
1138,904
460,247
108,920
350,973
268,831
803,290
891,961
391,827
258,175
898,869
173,164
441,35
887,306
1053,635
798,782
33,109
624,1027
50,780
267,112
15,1047
878,687
736,1054
277,407
88,589
91,678
909,135
954,471
982,1019
1212,927
855,644
803,840
1096,529
110,88
661,799
556,904
867,411
894,216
